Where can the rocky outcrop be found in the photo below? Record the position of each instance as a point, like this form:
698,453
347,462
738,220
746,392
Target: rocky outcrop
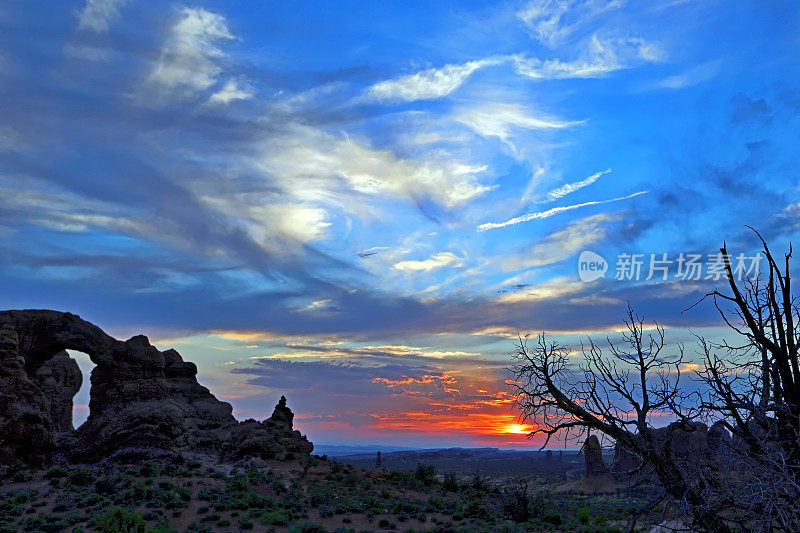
719,440
60,379
595,466
143,402
692,445
26,430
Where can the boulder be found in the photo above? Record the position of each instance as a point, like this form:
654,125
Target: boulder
143,402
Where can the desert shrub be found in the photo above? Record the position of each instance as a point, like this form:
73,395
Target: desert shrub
256,476
119,520
476,509
82,477
211,518
583,515
434,505
172,470
149,469
450,482
277,517
402,506
425,474
56,472
516,500
34,523
245,523
385,523
104,485
162,528
480,483
135,494
552,516
18,472
307,526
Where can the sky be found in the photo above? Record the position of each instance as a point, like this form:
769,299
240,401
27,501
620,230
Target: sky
360,205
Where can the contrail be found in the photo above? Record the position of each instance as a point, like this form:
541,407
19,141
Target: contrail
551,212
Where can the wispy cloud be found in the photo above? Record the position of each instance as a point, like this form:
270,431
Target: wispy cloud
551,212
564,242
600,56
372,251
309,161
552,22
275,225
230,92
96,15
693,76
316,305
189,59
564,190
498,119
424,85
436,261
554,288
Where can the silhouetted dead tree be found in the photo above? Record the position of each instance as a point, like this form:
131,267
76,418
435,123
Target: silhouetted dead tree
616,394
752,388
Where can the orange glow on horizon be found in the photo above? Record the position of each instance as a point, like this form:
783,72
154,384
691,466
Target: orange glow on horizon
518,429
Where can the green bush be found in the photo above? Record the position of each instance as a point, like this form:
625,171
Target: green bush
425,474
149,469
307,526
56,472
81,477
278,517
118,520
104,486
480,483
450,482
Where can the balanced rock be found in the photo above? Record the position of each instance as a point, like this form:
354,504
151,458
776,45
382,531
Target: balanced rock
143,402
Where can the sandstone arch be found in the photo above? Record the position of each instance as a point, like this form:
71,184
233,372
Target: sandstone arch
143,402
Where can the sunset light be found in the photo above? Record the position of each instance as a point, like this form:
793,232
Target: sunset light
345,266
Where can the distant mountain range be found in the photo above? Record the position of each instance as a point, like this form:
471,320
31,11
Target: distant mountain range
336,450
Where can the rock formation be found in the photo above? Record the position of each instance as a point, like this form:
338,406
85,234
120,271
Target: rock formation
143,402
593,456
692,444
60,379
26,429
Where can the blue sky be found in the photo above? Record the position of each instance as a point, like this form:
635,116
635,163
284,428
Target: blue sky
359,204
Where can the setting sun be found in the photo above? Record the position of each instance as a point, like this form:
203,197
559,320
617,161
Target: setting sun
517,429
